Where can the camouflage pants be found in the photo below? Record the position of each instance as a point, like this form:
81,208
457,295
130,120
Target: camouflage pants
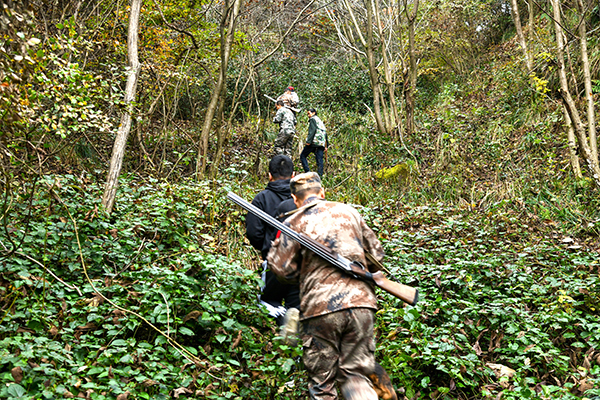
339,347
284,142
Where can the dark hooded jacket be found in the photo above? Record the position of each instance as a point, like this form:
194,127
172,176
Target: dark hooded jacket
260,233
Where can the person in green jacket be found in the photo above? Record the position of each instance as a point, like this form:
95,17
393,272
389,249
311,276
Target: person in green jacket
316,142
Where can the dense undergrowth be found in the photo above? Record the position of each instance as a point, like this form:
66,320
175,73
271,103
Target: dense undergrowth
64,334
505,307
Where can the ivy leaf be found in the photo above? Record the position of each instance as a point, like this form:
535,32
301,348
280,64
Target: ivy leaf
125,359
186,331
16,390
221,338
119,343
287,365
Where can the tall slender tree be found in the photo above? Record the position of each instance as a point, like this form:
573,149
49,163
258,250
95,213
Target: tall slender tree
519,28
569,102
409,93
116,161
229,17
587,80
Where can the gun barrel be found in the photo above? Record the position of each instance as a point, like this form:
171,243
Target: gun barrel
304,240
405,293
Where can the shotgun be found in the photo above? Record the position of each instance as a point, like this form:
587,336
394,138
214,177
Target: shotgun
405,293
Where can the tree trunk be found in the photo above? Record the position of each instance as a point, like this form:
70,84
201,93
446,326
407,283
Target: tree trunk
520,36
410,91
568,101
223,135
116,161
373,73
572,143
591,118
392,113
229,20
531,9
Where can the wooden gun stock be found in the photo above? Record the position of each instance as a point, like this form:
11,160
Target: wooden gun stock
407,294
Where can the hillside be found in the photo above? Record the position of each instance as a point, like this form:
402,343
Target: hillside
479,205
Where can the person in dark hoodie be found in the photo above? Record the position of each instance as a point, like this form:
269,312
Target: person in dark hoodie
276,296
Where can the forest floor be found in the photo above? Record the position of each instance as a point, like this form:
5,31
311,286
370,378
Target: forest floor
509,307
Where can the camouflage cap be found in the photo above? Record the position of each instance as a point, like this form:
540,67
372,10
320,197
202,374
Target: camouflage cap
307,180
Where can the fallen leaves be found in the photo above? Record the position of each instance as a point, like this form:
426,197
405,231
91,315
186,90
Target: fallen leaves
17,374
181,391
502,371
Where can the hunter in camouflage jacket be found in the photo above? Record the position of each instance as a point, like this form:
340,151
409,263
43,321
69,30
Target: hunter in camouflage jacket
287,128
286,119
324,288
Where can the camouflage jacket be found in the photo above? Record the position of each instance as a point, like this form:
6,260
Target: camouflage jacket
317,133
290,99
286,119
324,288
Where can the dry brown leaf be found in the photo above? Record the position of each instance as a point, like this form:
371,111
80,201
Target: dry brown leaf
149,382
477,349
192,315
68,395
585,385
123,396
87,327
208,389
531,346
17,374
181,391
256,332
95,301
586,363
237,340
501,370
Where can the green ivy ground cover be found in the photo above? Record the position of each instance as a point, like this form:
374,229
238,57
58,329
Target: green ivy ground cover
504,310
495,293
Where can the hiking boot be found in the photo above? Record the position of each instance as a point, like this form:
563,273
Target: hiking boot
289,329
382,383
356,388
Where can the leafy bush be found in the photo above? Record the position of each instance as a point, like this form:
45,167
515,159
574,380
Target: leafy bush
490,294
64,335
